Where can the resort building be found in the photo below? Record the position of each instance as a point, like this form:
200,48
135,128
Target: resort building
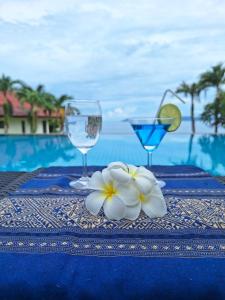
19,120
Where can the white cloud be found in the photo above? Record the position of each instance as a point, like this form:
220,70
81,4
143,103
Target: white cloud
96,7
111,50
119,113
141,12
32,12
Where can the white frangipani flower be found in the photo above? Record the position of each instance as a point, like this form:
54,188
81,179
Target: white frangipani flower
153,204
125,173
110,194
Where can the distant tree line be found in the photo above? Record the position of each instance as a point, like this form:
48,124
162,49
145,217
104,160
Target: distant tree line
214,112
38,98
212,115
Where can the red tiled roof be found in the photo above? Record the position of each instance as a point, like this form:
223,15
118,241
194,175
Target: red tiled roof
21,110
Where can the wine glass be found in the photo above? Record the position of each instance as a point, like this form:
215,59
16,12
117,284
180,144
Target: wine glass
150,132
83,123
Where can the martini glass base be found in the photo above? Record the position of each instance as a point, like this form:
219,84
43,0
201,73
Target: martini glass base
81,183
161,183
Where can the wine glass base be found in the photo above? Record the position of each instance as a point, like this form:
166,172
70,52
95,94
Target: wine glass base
80,183
161,183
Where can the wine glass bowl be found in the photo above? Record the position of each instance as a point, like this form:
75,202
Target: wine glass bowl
83,123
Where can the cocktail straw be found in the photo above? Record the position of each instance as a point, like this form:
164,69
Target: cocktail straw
164,97
161,103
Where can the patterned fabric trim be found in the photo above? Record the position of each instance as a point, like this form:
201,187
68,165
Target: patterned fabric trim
196,174
115,247
195,192
63,211
47,224
68,191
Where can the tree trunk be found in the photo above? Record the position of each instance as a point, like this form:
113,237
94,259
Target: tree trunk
217,110
33,120
61,118
216,129
192,115
6,125
190,144
216,116
6,129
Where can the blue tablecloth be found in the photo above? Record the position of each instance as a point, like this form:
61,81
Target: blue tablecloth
52,248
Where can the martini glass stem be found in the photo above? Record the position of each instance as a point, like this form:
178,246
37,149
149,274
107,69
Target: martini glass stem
149,155
84,158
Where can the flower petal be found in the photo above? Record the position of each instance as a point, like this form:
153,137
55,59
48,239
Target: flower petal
156,206
106,176
120,175
94,202
132,212
146,173
117,165
96,181
114,208
132,169
128,194
144,184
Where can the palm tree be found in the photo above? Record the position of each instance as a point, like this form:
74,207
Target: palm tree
49,103
193,90
210,115
35,97
60,100
7,85
215,78
59,107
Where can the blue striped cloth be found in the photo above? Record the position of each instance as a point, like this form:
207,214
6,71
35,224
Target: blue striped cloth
52,248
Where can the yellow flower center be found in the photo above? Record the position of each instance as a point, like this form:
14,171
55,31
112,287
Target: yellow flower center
109,191
142,197
133,174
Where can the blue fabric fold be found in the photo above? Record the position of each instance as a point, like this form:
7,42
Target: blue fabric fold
174,176
59,276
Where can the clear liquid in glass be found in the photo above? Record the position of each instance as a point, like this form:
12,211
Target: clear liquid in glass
83,131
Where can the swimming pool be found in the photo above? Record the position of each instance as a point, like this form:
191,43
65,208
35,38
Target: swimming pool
26,153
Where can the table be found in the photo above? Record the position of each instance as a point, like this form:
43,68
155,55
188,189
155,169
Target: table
51,248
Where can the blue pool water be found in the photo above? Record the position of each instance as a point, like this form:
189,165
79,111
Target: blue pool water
27,153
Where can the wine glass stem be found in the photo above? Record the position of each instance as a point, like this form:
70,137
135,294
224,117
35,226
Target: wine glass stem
149,160
85,172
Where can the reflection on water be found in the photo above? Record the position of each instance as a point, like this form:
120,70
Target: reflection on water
214,147
189,158
206,152
32,152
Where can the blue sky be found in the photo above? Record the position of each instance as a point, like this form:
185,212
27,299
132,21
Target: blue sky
124,53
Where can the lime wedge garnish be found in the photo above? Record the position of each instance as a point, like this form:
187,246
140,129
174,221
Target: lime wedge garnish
170,111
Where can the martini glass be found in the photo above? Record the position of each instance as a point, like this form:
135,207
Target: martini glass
150,132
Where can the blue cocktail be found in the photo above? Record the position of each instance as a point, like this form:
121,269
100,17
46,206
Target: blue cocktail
150,135
150,132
